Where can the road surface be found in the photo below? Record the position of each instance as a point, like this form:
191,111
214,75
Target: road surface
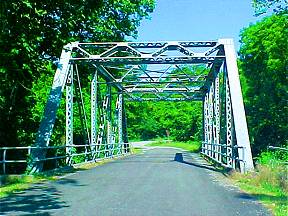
160,182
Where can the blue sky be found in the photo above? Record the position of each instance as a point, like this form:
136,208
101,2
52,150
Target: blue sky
188,20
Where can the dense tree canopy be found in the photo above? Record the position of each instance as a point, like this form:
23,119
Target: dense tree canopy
173,120
262,6
264,64
33,33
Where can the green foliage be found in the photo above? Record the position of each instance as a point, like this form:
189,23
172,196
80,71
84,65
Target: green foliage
12,184
180,121
32,35
272,171
78,158
264,65
262,6
273,157
264,186
269,182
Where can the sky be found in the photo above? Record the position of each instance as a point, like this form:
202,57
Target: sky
189,20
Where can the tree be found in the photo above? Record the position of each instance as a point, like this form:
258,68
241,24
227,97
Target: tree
262,6
33,33
181,121
264,65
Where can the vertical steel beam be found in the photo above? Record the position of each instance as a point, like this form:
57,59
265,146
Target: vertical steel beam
216,126
124,129
94,101
109,145
223,114
47,123
101,130
210,120
205,124
69,113
240,124
120,121
213,121
230,160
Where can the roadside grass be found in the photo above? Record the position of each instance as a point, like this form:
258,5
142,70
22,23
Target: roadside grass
136,150
162,139
10,184
15,183
268,184
191,146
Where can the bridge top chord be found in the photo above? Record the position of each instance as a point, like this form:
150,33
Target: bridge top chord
170,70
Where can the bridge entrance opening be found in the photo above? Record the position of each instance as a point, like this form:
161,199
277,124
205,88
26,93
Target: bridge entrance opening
204,71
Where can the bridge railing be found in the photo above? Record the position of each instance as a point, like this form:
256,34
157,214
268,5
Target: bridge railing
221,154
277,148
280,149
91,153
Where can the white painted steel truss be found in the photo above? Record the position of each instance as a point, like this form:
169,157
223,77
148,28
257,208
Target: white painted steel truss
153,71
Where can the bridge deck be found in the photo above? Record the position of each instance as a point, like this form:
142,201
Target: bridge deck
158,182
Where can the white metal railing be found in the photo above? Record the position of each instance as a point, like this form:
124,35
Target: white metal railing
117,150
279,149
209,151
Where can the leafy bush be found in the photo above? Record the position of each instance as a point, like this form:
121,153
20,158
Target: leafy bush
180,121
78,158
263,66
269,157
269,182
272,170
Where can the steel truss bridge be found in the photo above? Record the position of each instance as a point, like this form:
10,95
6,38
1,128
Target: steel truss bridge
152,71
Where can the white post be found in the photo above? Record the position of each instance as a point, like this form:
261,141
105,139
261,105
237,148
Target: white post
69,115
240,124
94,111
48,120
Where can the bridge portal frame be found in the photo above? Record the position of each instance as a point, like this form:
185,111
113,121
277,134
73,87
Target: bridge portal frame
225,132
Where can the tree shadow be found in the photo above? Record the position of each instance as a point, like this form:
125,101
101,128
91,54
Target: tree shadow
69,181
179,158
39,199
151,158
279,199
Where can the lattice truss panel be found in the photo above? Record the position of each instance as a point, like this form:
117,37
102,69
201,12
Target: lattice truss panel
153,71
169,71
219,133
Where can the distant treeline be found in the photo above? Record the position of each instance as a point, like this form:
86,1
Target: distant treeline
180,121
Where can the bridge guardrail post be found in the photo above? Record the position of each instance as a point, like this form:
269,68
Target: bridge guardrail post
4,161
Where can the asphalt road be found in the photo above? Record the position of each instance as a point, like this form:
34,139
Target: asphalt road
160,182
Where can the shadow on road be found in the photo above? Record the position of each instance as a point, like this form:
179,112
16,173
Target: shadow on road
69,181
281,200
179,158
39,199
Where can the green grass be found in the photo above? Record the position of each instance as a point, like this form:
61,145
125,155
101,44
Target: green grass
189,146
136,150
15,183
268,184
